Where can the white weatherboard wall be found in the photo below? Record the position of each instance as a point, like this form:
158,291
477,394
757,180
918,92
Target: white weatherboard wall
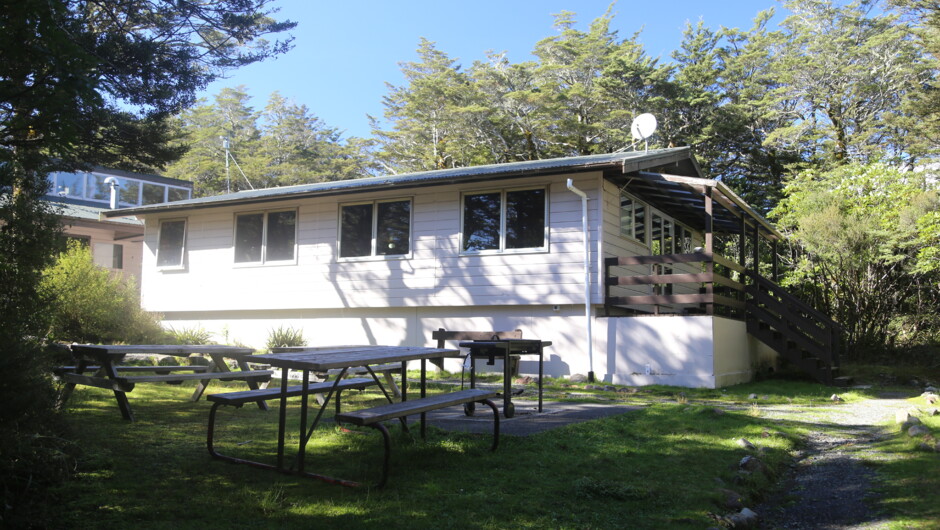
435,274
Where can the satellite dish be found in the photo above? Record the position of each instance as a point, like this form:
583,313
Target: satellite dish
643,126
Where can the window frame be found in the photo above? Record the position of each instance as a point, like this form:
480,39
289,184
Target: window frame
647,215
373,244
183,248
265,227
503,193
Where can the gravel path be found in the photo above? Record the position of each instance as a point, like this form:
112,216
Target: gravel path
828,486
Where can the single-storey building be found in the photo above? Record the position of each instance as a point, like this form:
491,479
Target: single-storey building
388,260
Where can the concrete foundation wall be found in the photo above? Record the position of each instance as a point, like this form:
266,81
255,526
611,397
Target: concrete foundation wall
689,351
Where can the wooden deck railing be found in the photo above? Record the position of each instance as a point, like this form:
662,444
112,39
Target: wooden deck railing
713,286
703,283
799,332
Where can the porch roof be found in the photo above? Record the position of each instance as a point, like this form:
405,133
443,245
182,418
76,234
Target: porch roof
683,198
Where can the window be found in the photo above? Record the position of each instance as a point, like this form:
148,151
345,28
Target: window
632,218
265,237
172,244
375,229
154,193
662,236
504,220
685,242
70,184
108,255
177,194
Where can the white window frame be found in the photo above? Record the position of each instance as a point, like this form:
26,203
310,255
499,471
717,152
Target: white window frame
502,222
373,252
264,238
183,249
646,220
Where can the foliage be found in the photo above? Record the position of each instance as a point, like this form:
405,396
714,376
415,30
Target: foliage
282,145
88,304
860,237
88,82
845,76
283,337
193,335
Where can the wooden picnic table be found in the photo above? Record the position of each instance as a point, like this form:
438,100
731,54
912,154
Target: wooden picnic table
323,360
104,361
505,348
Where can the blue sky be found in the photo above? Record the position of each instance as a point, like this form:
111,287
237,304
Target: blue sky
345,51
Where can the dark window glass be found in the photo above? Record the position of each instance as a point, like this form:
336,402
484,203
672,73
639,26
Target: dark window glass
153,193
639,222
281,235
481,218
117,261
525,219
356,231
668,237
393,228
626,216
70,184
130,192
98,189
248,237
177,194
656,235
171,244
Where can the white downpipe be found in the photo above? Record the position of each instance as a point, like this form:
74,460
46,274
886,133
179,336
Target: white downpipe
587,276
114,184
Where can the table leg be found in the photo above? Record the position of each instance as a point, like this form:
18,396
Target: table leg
119,395
470,408
424,392
67,390
217,363
302,450
252,384
541,374
282,420
508,408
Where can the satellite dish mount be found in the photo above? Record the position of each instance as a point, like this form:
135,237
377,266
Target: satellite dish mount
643,127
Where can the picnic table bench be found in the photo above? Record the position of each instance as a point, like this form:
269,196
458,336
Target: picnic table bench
107,372
374,416
340,361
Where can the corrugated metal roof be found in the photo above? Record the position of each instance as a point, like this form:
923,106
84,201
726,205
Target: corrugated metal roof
635,159
74,209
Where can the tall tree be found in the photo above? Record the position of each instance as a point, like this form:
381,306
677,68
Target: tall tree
204,131
570,65
426,115
91,82
924,17
849,70
282,145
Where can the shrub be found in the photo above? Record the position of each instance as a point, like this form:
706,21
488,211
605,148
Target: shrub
284,337
196,335
90,305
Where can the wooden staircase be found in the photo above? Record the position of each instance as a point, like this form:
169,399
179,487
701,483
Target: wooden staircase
799,333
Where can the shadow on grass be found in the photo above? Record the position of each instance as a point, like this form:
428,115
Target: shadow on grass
660,466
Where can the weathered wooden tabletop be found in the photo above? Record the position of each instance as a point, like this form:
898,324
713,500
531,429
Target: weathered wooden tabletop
323,359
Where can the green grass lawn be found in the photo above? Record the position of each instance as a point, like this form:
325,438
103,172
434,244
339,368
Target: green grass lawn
661,466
